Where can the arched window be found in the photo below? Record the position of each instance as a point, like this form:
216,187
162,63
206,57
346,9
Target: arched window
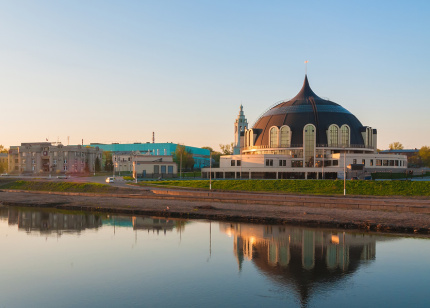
309,133
250,138
285,136
274,137
333,135
345,136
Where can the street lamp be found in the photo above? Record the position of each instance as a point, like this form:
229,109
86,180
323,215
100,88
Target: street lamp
210,171
344,172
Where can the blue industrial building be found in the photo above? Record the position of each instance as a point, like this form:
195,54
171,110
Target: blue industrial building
201,156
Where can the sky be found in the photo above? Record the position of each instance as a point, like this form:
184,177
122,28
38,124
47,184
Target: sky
116,71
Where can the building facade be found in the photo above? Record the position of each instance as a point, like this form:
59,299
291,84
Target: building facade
307,137
154,166
47,158
200,156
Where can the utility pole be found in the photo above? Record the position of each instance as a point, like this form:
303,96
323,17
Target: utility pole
210,171
344,173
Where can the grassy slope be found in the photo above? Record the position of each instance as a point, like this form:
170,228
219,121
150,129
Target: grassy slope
375,188
60,186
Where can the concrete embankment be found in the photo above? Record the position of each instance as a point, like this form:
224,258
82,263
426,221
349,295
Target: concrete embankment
369,213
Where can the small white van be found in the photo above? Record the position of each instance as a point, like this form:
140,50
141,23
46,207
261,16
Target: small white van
109,180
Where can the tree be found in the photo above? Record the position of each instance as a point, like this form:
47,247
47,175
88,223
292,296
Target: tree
424,154
227,149
184,155
98,164
215,156
3,165
107,157
395,146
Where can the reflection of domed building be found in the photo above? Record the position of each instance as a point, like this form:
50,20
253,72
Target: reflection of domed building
304,137
300,258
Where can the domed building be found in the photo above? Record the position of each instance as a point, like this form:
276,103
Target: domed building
305,137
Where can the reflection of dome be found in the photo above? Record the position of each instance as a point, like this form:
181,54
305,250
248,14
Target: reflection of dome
307,108
306,281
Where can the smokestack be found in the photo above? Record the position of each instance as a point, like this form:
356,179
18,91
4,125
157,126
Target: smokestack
153,137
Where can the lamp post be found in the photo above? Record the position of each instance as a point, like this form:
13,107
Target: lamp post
344,173
180,167
210,171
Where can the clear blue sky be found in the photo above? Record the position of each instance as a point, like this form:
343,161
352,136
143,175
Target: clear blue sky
115,71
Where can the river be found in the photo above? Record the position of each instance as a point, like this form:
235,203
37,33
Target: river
52,258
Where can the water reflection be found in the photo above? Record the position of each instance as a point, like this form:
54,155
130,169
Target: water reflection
301,258
52,221
49,221
283,265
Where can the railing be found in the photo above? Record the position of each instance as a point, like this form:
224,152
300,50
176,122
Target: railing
293,146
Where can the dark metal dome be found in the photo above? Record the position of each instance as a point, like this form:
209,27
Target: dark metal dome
307,108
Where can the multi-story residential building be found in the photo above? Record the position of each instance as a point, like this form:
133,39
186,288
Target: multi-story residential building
45,157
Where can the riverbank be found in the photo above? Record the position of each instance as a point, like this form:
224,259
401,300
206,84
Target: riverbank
399,215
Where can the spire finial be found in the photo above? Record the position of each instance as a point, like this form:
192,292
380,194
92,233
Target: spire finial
306,67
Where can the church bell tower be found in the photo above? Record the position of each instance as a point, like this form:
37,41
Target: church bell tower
240,125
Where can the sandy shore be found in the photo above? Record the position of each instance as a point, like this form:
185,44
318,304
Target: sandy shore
399,215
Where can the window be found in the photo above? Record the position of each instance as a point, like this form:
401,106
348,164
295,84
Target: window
333,135
371,162
170,169
269,162
156,169
363,161
285,134
163,169
379,162
65,168
335,163
233,163
250,138
385,162
274,137
282,162
296,163
238,163
65,161
344,135
309,145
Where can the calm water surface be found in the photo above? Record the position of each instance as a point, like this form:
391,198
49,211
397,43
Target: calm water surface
55,258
